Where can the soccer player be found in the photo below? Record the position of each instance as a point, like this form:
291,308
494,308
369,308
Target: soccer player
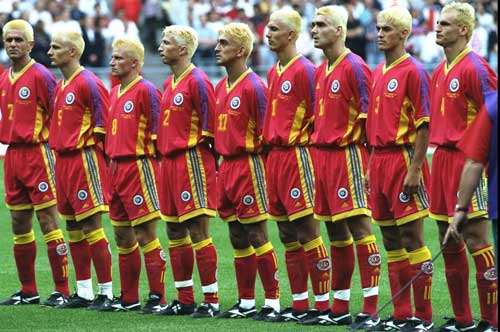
397,130
290,174
241,99
26,102
81,101
131,126
459,84
342,93
187,174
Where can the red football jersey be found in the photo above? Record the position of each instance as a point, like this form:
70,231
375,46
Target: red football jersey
81,103
26,102
342,97
289,112
239,114
187,111
132,123
457,95
399,103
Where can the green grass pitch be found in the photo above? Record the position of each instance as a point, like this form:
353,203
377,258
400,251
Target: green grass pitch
40,319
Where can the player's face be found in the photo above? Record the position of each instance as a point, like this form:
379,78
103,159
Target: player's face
59,52
168,49
278,35
121,63
388,36
225,51
16,44
447,31
323,32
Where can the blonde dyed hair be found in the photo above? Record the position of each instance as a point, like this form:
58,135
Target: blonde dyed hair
132,47
183,36
466,15
397,16
21,25
290,18
337,15
241,34
73,38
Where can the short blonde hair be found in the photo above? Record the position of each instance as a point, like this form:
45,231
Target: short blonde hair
290,18
241,34
183,36
21,25
466,15
398,16
337,15
133,47
73,38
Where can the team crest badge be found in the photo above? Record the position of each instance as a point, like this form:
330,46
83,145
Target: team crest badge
335,86
138,200
404,198
427,267
454,85
295,193
128,107
323,264
490,274
235,103
286,87
82,195
248,200
392,85
178,99
342,193
70,98
374,260
185,196
62,249
24,92
43,186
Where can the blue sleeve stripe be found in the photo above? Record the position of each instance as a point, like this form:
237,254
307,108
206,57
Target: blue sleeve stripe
154,103
261,95
94,97
482,72
424,86
310,76
203,94
49,79
361,82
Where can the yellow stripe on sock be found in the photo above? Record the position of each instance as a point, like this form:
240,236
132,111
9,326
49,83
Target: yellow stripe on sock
342,243
95,236
420,255
292,246
242,253
366,240
397,255
53,236
179,242
126,251
317,242
151,246
24,238
202,244
76,236
264,249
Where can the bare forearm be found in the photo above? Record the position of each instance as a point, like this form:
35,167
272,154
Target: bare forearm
471,175
420,150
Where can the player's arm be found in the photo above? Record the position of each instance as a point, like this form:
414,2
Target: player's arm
412,179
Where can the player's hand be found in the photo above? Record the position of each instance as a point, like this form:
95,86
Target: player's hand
411,182
455,228
366,183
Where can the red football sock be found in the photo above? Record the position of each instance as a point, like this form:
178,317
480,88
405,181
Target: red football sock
400,275
457,277
24,254
129,264
369,271
487,286
420,260
245,266
267,265
206,260
319,269
101,257
342,253
296,266
57,251
182,260
154,260
80,254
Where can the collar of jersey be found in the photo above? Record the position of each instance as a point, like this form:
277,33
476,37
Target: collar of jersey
242,76
395,63
68,81
21,72
329,68
291,62
128,87
459,57
175,81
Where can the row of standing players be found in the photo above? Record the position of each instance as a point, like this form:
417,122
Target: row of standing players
143,156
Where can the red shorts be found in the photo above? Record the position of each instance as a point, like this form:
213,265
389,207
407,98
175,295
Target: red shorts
29,177
132,191
390,206
339,182
447,165
81,181
290,183
187,185
241,189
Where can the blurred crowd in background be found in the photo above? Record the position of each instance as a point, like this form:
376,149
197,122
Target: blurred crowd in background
101,21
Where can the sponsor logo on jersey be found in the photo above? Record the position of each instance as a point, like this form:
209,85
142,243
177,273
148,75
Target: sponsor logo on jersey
323,264
404,198
82,194
235,103
70,98
374,259
295,193
392,85
286,87
138,200
128,106
62,249
342,193
185,196
43,186
24,92
178,99
454,85
335,86
248,200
